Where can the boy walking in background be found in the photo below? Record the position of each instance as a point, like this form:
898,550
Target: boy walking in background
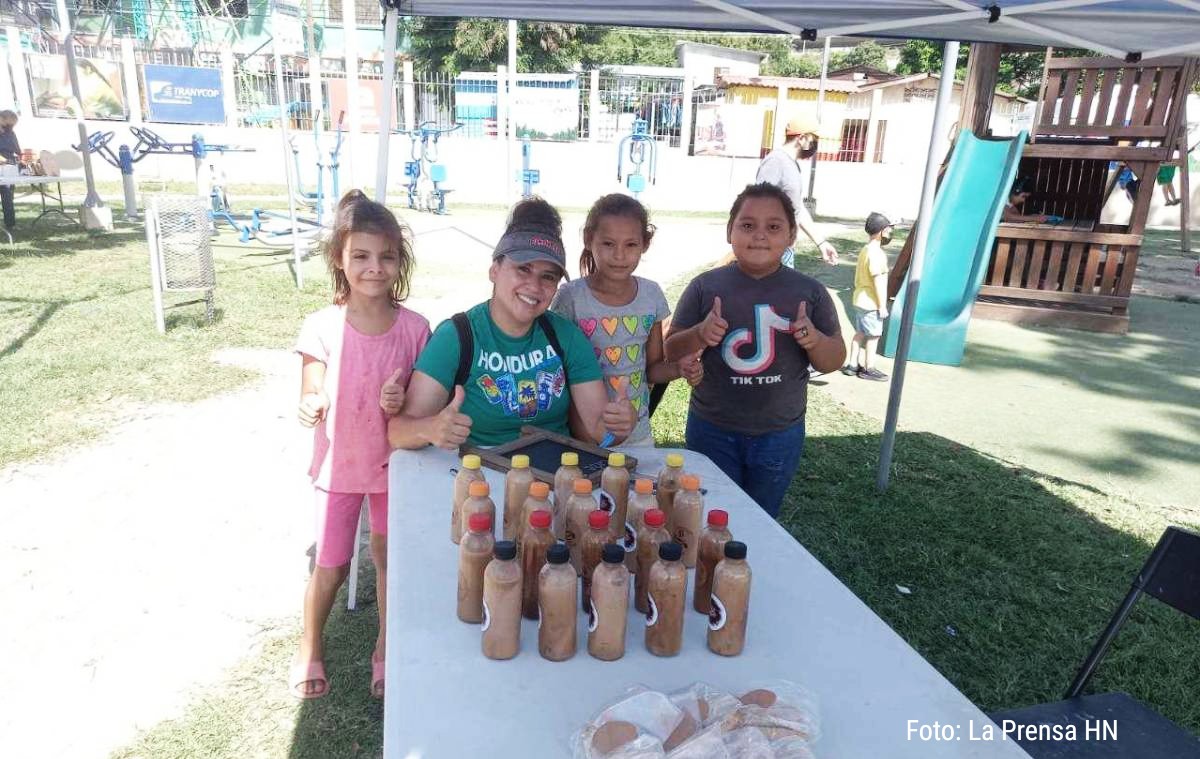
869,300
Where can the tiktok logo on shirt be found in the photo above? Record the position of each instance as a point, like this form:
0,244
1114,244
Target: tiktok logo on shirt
766,322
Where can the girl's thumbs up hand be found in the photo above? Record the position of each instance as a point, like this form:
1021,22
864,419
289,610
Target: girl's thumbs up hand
391,396
713,328
619,415
451,427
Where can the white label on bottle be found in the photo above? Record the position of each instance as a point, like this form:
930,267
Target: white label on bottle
593,617
716,614
606,502
651,611
630,539
487,618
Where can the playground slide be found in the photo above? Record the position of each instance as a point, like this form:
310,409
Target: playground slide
966,212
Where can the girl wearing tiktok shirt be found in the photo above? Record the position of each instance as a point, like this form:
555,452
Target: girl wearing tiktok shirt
760,326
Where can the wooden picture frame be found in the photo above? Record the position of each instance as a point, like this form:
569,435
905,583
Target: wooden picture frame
544,448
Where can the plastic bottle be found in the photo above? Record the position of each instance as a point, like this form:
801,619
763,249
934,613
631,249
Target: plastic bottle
614,493
564,481
712,549
685,517
609,608
478,502
650,537
516,490
501,626
668,483
467,473
730,602
474,553
537,500
642,501
581,503
590,549
667,596
556,605
535,542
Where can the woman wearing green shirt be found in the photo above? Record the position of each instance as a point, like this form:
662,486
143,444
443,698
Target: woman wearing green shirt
514,375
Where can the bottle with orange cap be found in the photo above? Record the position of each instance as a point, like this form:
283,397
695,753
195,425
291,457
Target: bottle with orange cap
474,553
640,502
564,481
581,503
478,501
469,472
516,490
685,517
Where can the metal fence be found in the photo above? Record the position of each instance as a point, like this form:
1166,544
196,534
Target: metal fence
623,98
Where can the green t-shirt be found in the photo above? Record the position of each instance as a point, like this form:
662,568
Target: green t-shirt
513,381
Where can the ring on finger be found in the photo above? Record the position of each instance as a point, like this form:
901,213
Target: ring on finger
804,332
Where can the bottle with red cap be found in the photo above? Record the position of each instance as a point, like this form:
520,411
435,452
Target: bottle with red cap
474,553
712,549
580,504
535,542
591,547
650,537
478,502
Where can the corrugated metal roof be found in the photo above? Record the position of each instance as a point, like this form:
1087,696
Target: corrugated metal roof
791,82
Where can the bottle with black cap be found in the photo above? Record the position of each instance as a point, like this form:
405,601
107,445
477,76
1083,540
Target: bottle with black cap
609,605
730,602
502,603
666,598
557,611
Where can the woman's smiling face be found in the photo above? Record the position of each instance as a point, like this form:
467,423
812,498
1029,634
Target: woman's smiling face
522,292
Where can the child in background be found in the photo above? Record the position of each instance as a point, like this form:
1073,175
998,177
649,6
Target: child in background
10,153
351,350
1166,180
759,325
622,314
869,300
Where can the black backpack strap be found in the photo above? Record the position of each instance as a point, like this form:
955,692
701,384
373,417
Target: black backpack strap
656,395
552,337
466,349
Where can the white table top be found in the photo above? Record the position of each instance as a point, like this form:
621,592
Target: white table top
444,699
24,180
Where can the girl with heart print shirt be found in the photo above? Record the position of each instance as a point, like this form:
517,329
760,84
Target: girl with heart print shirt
622,315
760,325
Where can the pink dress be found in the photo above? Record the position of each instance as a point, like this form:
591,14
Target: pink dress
350,447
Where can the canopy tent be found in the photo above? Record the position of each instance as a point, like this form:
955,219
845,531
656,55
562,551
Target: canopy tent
1130,29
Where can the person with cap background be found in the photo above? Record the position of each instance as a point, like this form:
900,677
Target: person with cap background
509,362
781,168
869,300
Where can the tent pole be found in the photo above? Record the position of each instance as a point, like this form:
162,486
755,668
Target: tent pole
385,107
510,146
810,201
92,200
925,218
297,255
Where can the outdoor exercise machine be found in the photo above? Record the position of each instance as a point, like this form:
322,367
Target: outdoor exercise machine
150,143
639,143
425,175
529,177
317,199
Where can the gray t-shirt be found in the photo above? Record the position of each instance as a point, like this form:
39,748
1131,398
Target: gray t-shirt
756,381
781,169
618,335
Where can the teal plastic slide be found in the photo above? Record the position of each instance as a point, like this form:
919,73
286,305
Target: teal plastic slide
966,212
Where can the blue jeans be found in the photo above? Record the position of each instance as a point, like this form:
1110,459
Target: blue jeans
762,465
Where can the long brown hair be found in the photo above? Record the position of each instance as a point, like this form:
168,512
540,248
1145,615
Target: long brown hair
358,213
614,204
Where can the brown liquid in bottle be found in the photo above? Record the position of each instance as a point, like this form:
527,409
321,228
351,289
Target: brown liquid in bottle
516,490
730,602
650,537
564,482
667,596
640,502
535,542
556,604
685,518
478,502
593,543
712,550
474,553
467,473
614,493
502,603
538,500
579,506
668,484
609,609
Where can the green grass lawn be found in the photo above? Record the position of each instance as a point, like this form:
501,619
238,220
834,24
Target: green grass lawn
1013,573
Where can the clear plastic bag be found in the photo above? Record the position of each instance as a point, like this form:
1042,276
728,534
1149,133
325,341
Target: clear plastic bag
705,704
781,709
747,743
633,727
707,744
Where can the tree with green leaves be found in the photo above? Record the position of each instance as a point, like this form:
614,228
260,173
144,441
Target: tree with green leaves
870,54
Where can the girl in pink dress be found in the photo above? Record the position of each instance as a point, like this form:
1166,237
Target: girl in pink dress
350,351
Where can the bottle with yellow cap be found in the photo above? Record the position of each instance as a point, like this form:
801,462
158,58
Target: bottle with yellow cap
685,517
642,501
581,503
564,480
668,483
478,501
516,490
467,473
614,493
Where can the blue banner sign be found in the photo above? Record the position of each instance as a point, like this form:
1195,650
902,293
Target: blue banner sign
184,95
